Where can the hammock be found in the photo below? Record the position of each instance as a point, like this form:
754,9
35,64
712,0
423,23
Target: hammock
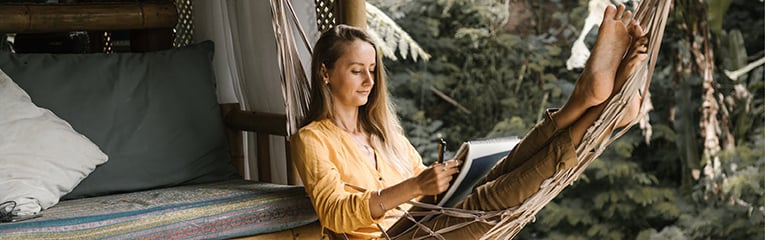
652,15
295,84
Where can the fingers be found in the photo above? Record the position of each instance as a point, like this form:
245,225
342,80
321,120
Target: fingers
446,174
436,179
454,163
447,168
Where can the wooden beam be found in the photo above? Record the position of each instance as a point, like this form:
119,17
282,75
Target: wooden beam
264,125
28,18
269,123
353,12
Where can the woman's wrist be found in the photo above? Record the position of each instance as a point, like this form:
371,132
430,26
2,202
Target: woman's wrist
413,187
380,200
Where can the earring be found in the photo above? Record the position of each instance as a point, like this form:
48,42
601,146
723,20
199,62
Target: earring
326,82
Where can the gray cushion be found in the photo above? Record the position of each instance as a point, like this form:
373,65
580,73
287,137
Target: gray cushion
154,114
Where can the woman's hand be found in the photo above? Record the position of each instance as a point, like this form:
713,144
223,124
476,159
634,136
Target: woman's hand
432,181
435,179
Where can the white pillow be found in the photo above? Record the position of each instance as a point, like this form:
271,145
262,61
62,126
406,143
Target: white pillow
41,156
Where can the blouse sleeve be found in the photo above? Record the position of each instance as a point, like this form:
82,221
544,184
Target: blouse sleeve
417,164
337,209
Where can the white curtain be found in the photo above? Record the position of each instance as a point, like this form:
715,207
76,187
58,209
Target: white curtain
246,61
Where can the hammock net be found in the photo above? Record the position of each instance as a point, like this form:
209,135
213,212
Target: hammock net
652,16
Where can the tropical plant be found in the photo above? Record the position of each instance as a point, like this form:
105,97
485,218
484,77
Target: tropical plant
485,79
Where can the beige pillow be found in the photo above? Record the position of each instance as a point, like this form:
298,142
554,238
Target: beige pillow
42,157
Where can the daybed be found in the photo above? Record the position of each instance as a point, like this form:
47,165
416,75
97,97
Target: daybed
140,135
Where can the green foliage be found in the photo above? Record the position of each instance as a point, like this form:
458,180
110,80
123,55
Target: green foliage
498,77
498,83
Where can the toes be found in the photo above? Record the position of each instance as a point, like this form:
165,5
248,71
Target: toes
640,45
610,12
632,28
637,55
641,49
635,29
619,12
627,18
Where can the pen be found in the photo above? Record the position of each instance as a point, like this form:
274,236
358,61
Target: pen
441,149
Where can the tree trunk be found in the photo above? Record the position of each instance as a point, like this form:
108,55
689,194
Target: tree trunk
714,119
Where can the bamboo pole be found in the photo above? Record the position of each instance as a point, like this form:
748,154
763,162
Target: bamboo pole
353,12
29,18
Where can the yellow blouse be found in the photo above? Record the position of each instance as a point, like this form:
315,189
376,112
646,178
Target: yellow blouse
327,158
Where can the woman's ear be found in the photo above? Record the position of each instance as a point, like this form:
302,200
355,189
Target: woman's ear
324,74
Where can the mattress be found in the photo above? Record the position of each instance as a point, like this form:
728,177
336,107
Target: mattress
220,210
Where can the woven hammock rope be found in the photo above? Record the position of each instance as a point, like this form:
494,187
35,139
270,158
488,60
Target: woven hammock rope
652,16
295,83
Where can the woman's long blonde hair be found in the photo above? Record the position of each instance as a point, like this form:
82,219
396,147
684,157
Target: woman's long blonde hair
378,116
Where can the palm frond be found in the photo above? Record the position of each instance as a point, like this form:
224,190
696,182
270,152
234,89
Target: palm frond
391,38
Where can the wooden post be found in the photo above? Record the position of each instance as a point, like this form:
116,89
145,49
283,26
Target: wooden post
353,12
293,177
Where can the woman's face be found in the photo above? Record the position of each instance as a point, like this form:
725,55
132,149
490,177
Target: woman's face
353,75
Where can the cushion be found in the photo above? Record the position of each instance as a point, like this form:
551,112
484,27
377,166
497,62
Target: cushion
155,114
221,210
42,157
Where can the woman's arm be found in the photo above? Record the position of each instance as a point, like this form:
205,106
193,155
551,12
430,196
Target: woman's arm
344,211
338,209
431,181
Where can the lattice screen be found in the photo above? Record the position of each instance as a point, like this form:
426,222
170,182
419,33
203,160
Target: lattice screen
325,14
182,33
184,30
107,43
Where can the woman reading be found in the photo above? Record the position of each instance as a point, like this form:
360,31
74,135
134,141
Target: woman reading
357,165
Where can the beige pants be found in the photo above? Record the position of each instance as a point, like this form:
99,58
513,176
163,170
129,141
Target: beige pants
543,152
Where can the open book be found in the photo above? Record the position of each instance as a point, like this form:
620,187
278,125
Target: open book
478,158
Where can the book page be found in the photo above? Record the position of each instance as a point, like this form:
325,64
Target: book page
478,158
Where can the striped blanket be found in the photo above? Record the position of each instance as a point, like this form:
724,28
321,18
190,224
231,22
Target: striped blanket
220,210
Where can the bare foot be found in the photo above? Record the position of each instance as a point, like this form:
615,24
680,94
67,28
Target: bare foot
636,55
597,81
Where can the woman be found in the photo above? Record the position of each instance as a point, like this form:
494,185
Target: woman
356,163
